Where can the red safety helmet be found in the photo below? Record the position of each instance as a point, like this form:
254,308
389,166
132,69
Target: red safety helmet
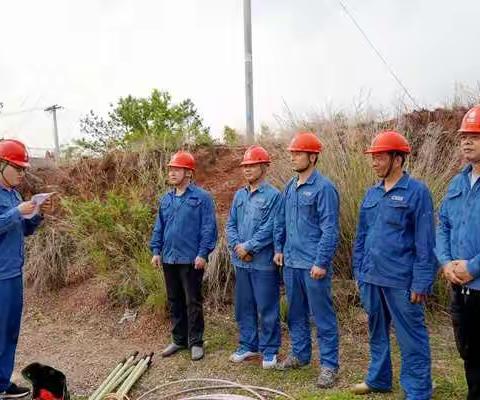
471,121
182,159
255,155
307,142
14,152
388,141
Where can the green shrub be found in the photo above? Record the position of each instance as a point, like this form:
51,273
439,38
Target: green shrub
114,233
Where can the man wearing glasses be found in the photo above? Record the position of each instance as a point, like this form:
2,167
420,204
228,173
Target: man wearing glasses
15,223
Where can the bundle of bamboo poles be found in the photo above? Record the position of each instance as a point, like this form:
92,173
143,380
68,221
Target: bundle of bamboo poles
122,378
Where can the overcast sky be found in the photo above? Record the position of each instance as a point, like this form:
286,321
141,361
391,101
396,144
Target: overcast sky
307,53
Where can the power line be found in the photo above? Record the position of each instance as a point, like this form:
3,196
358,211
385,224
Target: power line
20,112
380,56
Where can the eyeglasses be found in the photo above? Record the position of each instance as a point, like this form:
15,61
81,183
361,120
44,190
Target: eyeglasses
17,168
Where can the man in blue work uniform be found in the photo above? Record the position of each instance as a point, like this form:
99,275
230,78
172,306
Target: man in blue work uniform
306,234
250,240
394,265
458,250
15,223
184,235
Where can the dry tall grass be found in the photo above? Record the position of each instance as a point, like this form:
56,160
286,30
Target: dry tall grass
110,204
435,160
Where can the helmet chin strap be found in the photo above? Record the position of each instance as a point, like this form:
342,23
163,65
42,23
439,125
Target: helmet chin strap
390,167
3,166
185,178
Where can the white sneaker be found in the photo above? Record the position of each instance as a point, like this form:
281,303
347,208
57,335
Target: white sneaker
241,355
269,361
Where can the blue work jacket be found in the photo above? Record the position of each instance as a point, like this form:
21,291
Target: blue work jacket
395,240
186,226
250,223
306,226
458,231
13,228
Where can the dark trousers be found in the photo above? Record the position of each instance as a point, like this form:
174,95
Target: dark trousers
11,303
465,310
184,291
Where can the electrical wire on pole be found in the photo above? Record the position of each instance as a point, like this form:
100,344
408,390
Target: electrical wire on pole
379,54
53,109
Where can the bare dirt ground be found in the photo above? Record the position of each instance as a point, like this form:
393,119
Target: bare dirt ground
77,332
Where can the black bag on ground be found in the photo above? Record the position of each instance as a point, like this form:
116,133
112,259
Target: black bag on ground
47,382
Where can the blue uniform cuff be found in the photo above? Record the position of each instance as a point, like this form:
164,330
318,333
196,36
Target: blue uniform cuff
473,268
248,246
322,263
37,219
233,244
156,252
421,289
444,261
16,213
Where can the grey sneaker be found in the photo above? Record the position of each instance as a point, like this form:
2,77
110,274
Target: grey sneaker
291,362
327,377
171,349
197,353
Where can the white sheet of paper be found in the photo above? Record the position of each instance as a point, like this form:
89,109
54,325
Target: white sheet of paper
38,200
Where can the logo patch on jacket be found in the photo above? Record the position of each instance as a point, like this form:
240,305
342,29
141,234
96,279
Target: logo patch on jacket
259,201
397,198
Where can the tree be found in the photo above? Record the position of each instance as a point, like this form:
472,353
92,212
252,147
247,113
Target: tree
266,134
150,119
230,136
101,135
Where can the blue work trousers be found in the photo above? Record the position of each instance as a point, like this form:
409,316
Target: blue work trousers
385,305
307,296
11,304
257,309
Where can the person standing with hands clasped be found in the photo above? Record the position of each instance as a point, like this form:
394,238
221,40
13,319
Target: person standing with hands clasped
458,250
257,280
184,235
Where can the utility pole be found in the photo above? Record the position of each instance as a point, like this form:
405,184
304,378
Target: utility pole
247,23
53,109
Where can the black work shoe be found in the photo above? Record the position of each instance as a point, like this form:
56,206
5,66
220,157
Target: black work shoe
14,392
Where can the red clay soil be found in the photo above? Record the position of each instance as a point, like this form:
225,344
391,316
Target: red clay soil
218,172
448,119
218,166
